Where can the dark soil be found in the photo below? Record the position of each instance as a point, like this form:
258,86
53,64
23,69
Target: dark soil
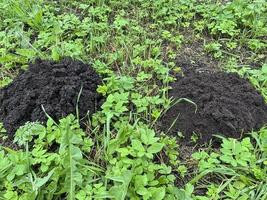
192,56
56,86
226,105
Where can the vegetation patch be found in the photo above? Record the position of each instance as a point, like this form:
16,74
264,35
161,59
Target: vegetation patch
139,47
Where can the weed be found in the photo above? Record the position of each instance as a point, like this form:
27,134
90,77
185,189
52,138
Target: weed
240,165
134,46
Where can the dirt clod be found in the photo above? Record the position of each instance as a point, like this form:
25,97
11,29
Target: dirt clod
53,85
226,105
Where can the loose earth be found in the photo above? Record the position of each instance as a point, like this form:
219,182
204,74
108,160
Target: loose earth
53,85
226,105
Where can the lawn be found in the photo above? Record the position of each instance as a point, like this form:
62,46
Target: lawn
133,99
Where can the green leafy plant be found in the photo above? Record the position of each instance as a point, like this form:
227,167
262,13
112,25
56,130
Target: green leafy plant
37,172
135,46
214,48
239,164
135,162
258,77
56,164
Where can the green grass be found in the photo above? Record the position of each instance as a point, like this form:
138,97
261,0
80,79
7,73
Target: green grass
134,44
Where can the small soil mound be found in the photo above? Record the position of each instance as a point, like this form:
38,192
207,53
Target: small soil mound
53,85
226,105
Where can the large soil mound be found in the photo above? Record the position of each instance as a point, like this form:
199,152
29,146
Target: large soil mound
226,104
56,86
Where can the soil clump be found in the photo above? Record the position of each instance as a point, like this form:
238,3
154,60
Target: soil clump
55,86
224,104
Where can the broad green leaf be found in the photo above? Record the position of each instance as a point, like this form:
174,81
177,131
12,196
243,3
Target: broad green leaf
155,148
41,181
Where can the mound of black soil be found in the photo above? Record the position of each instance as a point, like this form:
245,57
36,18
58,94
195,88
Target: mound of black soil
226,105
53,85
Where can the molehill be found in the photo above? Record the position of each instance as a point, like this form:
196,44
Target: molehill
227,105
53,85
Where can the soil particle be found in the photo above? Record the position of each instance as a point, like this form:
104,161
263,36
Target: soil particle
226,105
53,85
